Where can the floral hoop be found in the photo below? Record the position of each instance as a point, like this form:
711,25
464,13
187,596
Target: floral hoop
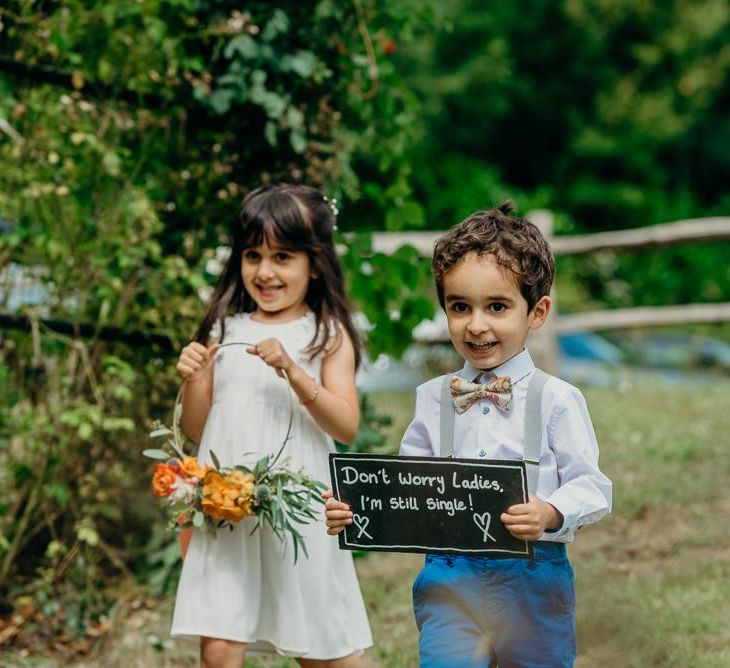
215,497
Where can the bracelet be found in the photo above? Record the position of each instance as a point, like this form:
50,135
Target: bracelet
311,399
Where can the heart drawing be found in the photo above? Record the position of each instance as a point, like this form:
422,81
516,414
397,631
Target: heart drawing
483,521
361,523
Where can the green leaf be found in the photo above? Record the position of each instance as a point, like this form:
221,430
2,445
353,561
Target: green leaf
216,463
270,133
277,24
162,431
87,534
117,424
198,519
122,392
110,511
302,63
176,448
408,214
154,453
298,140
260,467
244,45
58,491
112,163
295,117
220,100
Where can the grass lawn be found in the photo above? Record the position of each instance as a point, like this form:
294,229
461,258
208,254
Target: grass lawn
652,579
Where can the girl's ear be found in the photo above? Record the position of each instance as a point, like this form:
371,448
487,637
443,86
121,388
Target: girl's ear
540,312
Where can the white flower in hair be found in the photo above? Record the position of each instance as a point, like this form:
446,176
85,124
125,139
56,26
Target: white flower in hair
332,204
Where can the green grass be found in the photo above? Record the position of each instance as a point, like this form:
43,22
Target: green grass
651,578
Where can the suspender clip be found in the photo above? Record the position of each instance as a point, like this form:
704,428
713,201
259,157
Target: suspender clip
531,460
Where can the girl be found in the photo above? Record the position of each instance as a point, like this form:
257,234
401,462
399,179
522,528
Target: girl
282,290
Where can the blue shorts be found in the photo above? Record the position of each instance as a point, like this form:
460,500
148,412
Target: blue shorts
480,612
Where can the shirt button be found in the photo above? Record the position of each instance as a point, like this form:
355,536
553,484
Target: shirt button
485,410
482,453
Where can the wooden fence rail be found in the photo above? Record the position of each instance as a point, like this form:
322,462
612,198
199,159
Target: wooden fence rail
666,234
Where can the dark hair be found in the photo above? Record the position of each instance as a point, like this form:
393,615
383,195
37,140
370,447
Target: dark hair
299,218
515,242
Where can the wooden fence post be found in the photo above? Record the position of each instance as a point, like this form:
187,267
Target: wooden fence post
543,343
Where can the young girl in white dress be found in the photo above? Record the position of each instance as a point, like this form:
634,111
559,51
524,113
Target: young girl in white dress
282,290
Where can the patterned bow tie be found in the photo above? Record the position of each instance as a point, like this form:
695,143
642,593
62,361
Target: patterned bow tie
465,393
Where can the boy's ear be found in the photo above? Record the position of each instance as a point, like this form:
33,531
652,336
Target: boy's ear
540,312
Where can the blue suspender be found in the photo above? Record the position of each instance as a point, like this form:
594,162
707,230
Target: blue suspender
533,425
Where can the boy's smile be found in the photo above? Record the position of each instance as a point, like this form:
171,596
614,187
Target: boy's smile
486,312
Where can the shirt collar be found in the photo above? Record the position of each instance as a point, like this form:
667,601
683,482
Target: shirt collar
516,368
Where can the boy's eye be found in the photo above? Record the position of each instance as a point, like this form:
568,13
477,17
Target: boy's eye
498,308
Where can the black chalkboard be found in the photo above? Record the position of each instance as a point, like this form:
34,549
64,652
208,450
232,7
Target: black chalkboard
429,504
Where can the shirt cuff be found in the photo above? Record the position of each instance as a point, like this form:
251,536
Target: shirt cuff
566,532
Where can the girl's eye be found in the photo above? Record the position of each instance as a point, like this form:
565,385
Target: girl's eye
459,307
282,257
498,308
251,255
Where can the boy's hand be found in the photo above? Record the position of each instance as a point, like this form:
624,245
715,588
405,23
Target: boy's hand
195,358
338,514
272,352
528,521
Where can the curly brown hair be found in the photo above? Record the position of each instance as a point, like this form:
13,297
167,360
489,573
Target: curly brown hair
515,242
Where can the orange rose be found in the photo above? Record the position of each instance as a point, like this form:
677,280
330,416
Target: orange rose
163,478
191,468
228,497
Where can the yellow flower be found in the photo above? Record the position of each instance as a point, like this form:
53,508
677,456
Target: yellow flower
228,497
192,469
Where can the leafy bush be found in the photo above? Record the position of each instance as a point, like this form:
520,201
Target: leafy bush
125,148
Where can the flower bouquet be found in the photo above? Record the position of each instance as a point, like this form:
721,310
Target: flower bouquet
214,497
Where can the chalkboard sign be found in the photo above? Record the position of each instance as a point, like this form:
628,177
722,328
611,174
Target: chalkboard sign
429,504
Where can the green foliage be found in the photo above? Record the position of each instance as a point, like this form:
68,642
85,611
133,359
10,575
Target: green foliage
618,109
390,291
614,114
119,185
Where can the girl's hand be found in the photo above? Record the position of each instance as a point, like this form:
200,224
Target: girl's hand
528,521
272,352
338,514
195,359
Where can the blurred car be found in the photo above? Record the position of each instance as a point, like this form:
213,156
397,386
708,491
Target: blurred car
679,350
587,359
590,346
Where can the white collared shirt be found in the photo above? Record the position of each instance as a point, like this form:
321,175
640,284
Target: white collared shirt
570,478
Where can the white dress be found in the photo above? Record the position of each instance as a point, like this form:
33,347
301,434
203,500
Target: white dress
245,587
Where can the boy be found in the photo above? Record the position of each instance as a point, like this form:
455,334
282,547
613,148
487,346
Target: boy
493,275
